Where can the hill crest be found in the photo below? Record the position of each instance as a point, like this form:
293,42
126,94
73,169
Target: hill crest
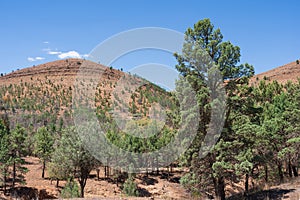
68,69
63,71
282,74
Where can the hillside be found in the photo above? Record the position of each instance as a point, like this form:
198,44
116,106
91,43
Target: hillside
43,93
282,74
63,71
42,96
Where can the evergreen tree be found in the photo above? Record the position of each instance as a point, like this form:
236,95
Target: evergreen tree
43,146
203,49
4,153
72,158
17,149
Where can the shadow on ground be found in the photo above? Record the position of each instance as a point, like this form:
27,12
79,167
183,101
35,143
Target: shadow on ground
274,194
29,193
148,180
143,192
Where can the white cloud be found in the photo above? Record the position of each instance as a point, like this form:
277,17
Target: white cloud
54,52
30,59
64,55
46,42
39,58
70,54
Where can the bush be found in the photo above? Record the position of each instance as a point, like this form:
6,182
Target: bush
71,190
130,187
190,182
297,61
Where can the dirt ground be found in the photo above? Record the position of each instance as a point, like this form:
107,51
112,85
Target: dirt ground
152,187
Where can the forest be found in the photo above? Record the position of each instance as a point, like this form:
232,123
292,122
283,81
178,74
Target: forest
258,144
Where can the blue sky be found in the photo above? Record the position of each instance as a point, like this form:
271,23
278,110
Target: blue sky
38,31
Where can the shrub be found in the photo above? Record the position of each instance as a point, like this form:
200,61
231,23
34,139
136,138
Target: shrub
190,182
71,190
130,187
297,61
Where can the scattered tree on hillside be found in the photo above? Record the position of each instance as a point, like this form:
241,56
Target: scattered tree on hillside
43,146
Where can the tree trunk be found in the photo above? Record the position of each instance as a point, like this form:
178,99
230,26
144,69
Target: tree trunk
157,168
215,185
152,165
82,191
280,174
266,174
57,182
220,188
44,166
84,174
295,171
107,165
246,184
98,173
4,181
290,169
82,183
14,174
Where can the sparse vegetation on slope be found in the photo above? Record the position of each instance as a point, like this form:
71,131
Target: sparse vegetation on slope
258,146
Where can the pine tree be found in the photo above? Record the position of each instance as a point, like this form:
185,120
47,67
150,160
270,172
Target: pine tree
71,160
4,153
17,149
203,49
43,146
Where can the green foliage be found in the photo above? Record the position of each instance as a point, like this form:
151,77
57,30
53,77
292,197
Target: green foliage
190,182
259,142
4,153
43,146
130,187
4,143
203,41
43,143
71,157
17,150
71,190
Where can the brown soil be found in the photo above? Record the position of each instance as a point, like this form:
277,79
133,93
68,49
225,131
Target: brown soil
151,187
68,70
281,74
63,71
